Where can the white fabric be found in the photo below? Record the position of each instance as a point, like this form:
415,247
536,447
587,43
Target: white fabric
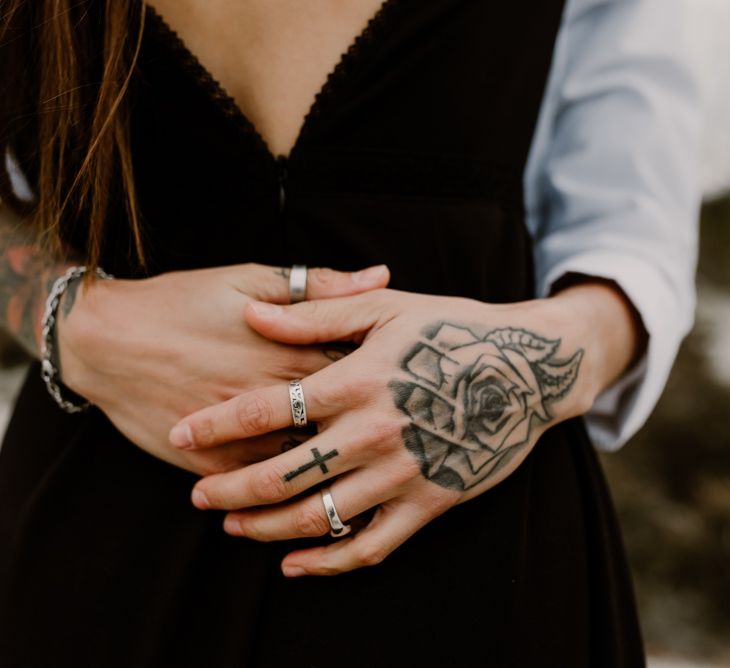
612,182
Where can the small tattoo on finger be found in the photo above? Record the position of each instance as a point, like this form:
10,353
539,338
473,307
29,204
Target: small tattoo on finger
318,460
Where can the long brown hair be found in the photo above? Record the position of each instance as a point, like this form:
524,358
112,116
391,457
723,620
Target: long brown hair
65,70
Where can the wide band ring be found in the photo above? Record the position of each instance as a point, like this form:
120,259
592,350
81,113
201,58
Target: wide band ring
337,527
298,283
296,399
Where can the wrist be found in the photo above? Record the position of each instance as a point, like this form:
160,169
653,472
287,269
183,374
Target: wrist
79,333
596,317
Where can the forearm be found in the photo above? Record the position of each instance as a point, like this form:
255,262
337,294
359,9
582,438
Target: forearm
26,276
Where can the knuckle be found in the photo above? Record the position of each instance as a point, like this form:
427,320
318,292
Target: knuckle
253,529
204,431
330,398
309,522
370,553
405,470
324,275
366,387
358,390
437,504
388,432
423,506
384,437
267,486
254,414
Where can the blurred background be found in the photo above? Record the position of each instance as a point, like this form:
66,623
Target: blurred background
671,483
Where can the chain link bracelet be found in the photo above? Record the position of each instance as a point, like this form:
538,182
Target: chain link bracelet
49,373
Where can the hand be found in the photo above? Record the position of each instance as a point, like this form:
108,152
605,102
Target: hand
148,352
444,399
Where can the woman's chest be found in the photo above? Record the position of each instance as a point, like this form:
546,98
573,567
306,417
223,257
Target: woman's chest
272,56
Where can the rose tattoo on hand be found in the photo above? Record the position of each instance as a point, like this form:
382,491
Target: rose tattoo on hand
472,400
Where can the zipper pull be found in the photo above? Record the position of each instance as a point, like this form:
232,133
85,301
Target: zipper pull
281,174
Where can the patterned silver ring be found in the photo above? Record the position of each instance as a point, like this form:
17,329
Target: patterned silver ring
337,528
296,398
298,283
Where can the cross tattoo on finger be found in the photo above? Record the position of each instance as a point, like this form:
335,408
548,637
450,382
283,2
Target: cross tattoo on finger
319,460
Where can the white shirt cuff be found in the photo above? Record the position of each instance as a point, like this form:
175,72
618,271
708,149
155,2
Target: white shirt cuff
621,409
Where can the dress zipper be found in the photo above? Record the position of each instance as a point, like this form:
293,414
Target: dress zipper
281,175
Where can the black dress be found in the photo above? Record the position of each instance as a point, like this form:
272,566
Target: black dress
413,155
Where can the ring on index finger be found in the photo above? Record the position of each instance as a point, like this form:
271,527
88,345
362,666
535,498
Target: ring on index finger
298,283
296,399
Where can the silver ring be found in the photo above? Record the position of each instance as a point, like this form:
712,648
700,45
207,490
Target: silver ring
298,283
337,528
296,398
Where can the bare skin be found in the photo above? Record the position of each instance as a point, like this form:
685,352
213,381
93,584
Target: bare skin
273,68
272,57
109,338
444,398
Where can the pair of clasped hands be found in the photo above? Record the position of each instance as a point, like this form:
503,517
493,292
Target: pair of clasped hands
193,367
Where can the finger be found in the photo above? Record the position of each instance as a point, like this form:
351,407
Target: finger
286,362
263,448
393,523
319,321
352,494
233,456
283,477
257,412
272,283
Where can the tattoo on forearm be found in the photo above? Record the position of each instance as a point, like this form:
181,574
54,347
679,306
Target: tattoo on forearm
472,400
26,277
319,460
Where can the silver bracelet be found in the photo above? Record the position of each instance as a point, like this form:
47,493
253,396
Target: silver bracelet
49,373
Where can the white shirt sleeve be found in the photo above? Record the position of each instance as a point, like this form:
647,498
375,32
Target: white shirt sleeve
612,185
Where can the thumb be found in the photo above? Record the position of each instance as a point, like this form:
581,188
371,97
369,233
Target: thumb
319,321
322,282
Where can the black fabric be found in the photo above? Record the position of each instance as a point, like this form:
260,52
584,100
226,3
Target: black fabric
412,154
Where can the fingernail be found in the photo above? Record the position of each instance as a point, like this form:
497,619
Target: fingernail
293,571
232,526
200,500
265,309
369,275
181,436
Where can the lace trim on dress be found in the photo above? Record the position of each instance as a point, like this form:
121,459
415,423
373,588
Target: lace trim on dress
393,173
228,105
208,84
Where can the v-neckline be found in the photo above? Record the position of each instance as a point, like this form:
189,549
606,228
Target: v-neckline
230,107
